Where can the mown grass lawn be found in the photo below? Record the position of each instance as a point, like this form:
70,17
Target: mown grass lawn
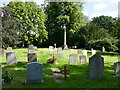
78,74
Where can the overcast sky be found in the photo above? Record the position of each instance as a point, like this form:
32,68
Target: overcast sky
92,8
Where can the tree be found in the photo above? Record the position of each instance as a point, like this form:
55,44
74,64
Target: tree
108,23
93,36
9,33
30,18
60,13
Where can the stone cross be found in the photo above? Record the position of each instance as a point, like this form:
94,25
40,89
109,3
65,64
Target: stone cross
96,67
65,71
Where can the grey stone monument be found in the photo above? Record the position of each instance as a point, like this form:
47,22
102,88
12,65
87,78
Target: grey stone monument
80,51
59,50
51,48
117,69
85,52
10,56
34,73
73,59
32,57
83,59
58,54
96,67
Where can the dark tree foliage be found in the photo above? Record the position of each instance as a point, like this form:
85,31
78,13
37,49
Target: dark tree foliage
9,33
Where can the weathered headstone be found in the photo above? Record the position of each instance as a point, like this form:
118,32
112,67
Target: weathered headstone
59,50
80,51
32,57
83,59
9,49
34,73
117,69
73,59
96,67
31,47
103,49
58,54
51,48
10,56
93,52
85,52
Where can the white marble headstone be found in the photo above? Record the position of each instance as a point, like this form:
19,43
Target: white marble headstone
59,50
103,49
73,59
51,48
85,52
93,52
9,49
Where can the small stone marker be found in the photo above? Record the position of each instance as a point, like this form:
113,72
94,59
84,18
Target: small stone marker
73,59
80,51
103,49
65,71
93,52
59,50
34,73
51,48
10,56
117,69
9,49
58,54
55,45
32,57
83,59
85,52
96,67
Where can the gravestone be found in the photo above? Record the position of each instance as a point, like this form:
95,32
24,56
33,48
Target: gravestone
93,52
83,59
10,56
80,51
32,57
85,52
34,73
103,49
96,67
73,59
117,69
51,48
58,54
9,49
31,47
55,45
59,50
1,52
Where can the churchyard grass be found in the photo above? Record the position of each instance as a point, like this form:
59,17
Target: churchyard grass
78,74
